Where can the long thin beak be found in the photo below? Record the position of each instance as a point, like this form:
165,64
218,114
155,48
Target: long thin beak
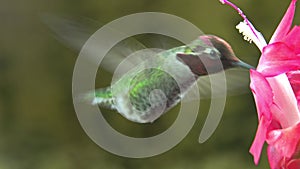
243,65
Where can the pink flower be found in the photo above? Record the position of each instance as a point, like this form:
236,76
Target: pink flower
276,88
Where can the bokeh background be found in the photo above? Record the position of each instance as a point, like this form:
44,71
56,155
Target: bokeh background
38,125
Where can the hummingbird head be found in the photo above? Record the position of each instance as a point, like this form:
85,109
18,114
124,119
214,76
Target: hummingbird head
210,54
228,58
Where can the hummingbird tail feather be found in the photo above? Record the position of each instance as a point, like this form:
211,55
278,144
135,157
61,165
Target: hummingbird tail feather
102,97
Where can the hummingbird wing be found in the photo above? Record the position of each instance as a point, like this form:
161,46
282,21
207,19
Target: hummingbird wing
74,33
237,83
159,41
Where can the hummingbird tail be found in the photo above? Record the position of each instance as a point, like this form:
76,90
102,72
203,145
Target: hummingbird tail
102,97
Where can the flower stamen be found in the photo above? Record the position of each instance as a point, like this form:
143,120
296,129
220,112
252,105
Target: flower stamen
246,28
245,31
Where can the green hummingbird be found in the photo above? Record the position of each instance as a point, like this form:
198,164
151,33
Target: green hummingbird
157,84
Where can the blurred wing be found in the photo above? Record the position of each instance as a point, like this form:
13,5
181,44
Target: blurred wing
71,33
159,41
74,34
237,83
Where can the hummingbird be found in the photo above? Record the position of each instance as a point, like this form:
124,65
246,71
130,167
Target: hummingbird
157,84
160,81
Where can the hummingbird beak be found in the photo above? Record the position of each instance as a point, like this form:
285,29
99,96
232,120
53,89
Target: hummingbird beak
243,65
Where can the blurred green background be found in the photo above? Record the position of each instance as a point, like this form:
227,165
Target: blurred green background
38,124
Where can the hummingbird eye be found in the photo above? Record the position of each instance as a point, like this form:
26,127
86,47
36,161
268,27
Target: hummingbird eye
212,53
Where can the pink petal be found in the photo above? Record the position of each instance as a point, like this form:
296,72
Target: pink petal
294,164
263,98
294,78
278,58
259,139
262,92
285,24
293,39
284,108
284,141
275,159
